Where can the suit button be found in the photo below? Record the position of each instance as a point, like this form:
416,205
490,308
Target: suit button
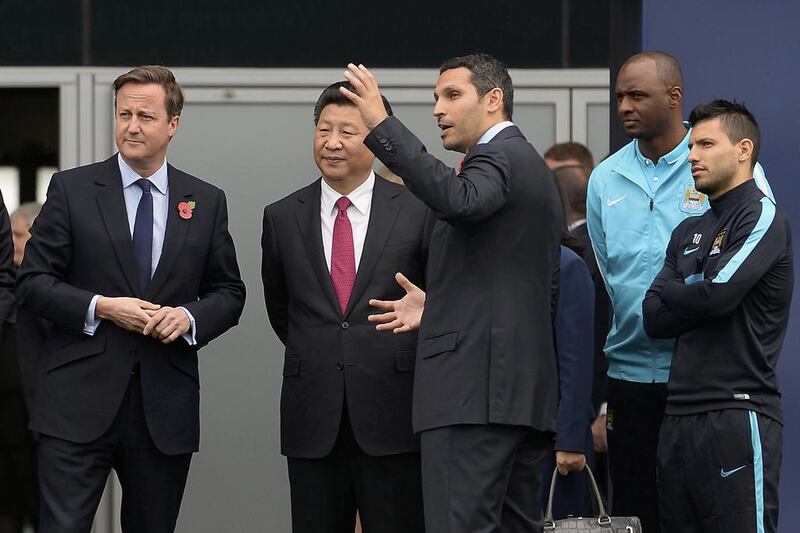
339,365
345,325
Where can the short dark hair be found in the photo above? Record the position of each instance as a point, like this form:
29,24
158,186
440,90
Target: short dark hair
572,183
736,120
155,74
332,95
571,150
667,66
487,73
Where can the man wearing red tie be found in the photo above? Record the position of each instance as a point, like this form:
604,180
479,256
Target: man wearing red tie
346,400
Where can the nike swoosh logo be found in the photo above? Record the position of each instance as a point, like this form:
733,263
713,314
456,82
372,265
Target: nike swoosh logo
611,202
688,251
724,473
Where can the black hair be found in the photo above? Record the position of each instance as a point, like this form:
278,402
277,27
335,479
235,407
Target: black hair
736,120
332,95
487,73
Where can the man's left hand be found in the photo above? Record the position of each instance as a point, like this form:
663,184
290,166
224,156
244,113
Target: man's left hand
367,97
567,462
167,324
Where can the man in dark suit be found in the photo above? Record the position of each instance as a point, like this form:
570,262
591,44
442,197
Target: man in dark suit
132,261
346,400
486,386
6,271
19,504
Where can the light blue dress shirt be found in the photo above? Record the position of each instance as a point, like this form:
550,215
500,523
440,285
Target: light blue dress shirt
133,193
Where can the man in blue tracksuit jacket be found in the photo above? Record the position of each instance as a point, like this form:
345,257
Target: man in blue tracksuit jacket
724,292
636,197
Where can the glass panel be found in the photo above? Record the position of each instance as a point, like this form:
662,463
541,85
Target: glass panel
43,175
9,185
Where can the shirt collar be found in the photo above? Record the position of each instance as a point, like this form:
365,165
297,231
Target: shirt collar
577,224
129,176
494,130
360,197
676,154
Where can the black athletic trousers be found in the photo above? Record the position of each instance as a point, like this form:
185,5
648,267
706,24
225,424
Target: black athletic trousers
719,471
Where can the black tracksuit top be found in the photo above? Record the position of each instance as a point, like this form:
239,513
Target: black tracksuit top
724,292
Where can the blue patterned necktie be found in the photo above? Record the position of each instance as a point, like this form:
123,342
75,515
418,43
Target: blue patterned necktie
143,234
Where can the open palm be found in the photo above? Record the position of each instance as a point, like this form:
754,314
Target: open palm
403,315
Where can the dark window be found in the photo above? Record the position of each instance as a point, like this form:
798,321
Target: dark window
306,33
29,136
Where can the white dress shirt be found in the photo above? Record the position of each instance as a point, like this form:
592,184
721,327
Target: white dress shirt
133,193
494,130
358,213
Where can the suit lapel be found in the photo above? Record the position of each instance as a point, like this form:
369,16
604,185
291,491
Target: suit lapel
310,228
382,216
175,233
111,202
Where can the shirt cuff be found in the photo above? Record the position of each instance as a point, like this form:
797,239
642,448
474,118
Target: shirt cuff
189,336
91,322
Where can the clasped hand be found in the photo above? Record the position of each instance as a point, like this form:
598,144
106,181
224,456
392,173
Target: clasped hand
163,323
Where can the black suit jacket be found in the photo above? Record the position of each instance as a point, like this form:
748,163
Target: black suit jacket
7,270
485,352
81,246
332,355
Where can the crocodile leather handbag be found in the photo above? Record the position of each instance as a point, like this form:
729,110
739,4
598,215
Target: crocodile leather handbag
602,523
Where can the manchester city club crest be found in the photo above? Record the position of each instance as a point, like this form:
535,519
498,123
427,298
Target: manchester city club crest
693,200
716,246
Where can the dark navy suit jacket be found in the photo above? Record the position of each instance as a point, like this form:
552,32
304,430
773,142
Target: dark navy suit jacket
574,337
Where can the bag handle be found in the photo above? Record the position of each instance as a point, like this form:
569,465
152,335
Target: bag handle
602,519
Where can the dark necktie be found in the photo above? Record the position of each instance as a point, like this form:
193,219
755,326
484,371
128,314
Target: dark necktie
143,234
343,256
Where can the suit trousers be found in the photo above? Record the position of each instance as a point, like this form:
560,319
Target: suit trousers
72,475
385,490
483,478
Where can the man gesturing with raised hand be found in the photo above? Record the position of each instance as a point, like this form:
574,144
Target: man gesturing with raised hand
486,385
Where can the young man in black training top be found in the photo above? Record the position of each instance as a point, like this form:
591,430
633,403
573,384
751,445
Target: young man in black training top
724,292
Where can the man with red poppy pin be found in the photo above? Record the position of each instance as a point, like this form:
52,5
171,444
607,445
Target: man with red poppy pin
117,379
185,209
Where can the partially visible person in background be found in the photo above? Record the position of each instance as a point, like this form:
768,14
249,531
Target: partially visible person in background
573,325
19,504
571,164
569,154
6,271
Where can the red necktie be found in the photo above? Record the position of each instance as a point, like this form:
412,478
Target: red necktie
343,256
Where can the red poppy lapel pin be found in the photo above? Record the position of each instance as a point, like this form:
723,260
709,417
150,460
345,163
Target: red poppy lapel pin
185,209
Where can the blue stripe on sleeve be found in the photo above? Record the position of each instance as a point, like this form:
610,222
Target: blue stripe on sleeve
694,278
761,227
758,471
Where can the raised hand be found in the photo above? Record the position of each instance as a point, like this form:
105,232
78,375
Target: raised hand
403,315
367,97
